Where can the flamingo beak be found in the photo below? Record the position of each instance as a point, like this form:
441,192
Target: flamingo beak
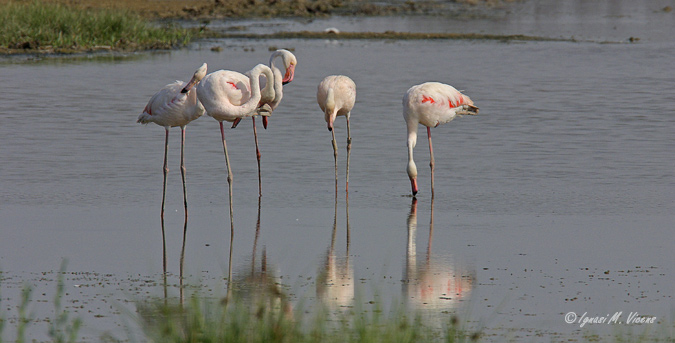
264,120
290,73
413,183
235,123
330,123
188,87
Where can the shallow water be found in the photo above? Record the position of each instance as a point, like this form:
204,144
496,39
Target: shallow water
556,198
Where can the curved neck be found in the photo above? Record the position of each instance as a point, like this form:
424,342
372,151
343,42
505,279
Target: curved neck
412,141
254,75
278,84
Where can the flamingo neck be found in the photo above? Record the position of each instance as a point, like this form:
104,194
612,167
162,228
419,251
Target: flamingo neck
412,141
254,75
278,86
278,80
330,112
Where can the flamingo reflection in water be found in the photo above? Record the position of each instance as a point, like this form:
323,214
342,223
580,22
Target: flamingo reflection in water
259,285
430,284
335,282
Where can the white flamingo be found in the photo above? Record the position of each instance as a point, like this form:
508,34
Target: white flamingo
228,96
289,62
431,104
336,96
271,96
174,105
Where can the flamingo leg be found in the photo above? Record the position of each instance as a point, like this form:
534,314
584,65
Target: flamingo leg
257,153
182,252
182,169
166,171
431,161
349,149
229,177
182,264
335,153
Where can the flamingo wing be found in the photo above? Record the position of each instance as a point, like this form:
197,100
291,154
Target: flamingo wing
221,91
436,103
166,106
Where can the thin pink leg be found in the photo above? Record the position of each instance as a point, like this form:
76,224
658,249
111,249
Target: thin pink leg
257,153
229,177
431,161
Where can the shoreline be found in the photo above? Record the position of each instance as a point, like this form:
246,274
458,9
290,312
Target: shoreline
158,10
170,13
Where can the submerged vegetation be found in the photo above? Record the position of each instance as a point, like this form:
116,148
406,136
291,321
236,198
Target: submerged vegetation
268,321
55,28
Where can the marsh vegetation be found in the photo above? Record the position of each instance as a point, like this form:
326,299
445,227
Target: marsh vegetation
55,28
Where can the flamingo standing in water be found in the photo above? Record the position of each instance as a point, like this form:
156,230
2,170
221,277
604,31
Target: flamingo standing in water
228,96
431,104
336,95
271,96
174,105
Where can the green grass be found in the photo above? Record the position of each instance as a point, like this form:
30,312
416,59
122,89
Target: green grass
52,27
62,327
273,319
204,320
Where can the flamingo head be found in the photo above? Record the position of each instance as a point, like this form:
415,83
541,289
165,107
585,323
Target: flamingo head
412,174
196,77
289,61
290,73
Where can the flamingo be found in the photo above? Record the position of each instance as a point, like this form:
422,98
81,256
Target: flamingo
336,95
228,96
431,104
271,96
289,62
174,105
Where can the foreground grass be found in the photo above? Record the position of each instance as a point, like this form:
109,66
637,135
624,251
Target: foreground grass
272,320
203,320
49,27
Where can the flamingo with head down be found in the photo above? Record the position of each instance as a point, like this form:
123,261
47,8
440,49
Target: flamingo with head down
336,96
431,104
228,96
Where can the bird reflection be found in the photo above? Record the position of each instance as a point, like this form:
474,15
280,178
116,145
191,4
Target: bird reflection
258,284
335,282
431,284
182,265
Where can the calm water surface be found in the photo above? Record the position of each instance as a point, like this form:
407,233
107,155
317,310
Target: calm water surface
558,197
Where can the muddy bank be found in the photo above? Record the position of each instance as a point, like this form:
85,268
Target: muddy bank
332,34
